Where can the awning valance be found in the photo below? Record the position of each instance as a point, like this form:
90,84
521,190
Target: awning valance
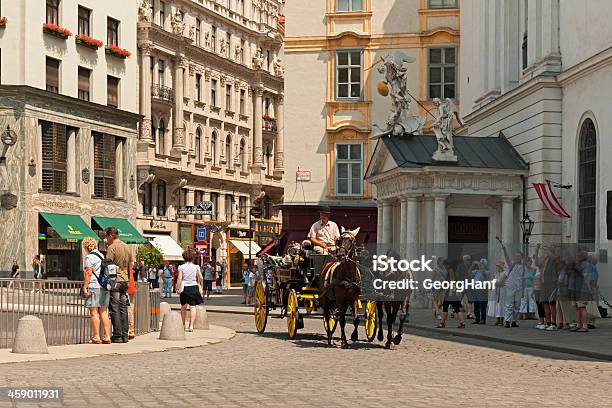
127,232
248,248
69,227
169,248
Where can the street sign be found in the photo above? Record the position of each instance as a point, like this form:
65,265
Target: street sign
204,208
256,212
302,175
201,246
201,234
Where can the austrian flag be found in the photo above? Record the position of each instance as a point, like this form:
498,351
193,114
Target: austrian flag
549,199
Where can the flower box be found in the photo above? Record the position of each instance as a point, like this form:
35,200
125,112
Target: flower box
87,41
3,21
56,30
117,51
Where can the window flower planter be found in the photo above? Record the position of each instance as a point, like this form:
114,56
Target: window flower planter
88,42
117,51
3,21
56,30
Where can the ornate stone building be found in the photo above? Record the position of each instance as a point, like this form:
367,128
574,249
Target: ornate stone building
69,121
211,96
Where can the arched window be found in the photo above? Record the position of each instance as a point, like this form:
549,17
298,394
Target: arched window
587,182
228,151
161,198
213,148
198,144
161,138
147,201
242,156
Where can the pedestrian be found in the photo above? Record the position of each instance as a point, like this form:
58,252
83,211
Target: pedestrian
245,282
452,298
37,273
119,253
464,269
152,277
131,297
167,288
438,275
480,273
550,266
497,296
593,307
566,311
15,274
188,286
96,297
582,288
208,280
537,292
251,285
142,272
219,279
528,301
513,285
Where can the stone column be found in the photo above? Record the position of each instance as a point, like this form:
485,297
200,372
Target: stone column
428,206
411,224
403,249
440,226
71,162
178,141
221,211
145,91
119,177
387,226
279,160
258,128
507,235
190,201
379,221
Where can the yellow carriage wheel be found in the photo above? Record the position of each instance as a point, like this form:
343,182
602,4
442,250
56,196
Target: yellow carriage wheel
330,322
292,314
261,307
370,319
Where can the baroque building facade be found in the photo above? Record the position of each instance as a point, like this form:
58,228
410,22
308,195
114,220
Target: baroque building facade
211,96
69,123
338,45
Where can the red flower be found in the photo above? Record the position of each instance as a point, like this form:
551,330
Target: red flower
60,30
90,41
118,51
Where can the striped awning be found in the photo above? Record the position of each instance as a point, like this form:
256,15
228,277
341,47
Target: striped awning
549,199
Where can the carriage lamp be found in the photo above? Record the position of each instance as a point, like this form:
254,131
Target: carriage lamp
527,226
9,138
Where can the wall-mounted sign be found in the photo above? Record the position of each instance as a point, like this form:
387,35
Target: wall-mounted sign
241,233
204,208
201,234
302,175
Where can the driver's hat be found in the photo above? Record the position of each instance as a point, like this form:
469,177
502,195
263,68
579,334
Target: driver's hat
325,210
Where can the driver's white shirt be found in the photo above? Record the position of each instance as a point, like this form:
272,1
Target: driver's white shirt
327,233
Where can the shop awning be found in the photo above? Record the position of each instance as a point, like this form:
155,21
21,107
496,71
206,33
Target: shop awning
169,248
69,227
248,248
127,232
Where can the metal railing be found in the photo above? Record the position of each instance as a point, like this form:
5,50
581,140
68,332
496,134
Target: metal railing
60,306
162,92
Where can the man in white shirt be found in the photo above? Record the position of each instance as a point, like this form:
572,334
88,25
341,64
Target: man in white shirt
324,233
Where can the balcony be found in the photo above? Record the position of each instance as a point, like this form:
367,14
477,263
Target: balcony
162,93
269,124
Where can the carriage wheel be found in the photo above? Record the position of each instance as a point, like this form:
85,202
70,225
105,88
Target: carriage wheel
370,319
261,307
330,322
309,305
292,314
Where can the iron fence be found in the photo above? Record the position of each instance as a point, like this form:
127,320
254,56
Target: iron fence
60,306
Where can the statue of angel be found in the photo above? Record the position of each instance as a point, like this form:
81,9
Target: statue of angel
443,126
144,11
258,59
178,26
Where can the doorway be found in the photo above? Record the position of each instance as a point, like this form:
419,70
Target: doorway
467,236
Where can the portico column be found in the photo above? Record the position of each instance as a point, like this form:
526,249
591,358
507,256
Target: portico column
507,234
257,128
279,161
428,219
403,249
379,222
387,227
145,91
411,225
440,225
178,141
71,180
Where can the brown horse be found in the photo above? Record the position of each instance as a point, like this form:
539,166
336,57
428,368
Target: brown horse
340,285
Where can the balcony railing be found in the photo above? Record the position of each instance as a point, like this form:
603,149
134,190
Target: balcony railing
269,124
163,93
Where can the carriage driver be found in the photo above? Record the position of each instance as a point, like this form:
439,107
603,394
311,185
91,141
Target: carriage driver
324,233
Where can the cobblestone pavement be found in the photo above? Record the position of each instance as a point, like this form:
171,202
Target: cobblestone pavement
270,370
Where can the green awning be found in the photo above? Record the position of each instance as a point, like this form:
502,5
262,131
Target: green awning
127,232
70,228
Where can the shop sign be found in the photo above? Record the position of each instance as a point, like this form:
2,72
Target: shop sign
204,208
241,234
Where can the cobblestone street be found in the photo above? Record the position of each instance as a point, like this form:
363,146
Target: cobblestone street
269,370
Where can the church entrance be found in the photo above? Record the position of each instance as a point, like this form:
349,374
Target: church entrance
467,236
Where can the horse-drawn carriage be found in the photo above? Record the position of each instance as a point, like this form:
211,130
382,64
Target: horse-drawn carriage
304,281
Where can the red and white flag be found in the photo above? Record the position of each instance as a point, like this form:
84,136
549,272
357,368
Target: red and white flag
549,199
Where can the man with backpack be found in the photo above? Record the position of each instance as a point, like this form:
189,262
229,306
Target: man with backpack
119,254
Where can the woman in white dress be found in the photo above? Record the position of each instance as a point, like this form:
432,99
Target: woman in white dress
497,302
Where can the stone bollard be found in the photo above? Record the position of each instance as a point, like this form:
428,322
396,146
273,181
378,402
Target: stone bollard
30,337
164,307
172,327
201,321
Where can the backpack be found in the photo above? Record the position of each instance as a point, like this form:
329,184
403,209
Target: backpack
108,273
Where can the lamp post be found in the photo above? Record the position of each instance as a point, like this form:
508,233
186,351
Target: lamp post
526,227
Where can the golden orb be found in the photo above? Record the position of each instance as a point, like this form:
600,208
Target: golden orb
383,88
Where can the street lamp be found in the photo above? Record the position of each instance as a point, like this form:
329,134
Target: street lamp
527,226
